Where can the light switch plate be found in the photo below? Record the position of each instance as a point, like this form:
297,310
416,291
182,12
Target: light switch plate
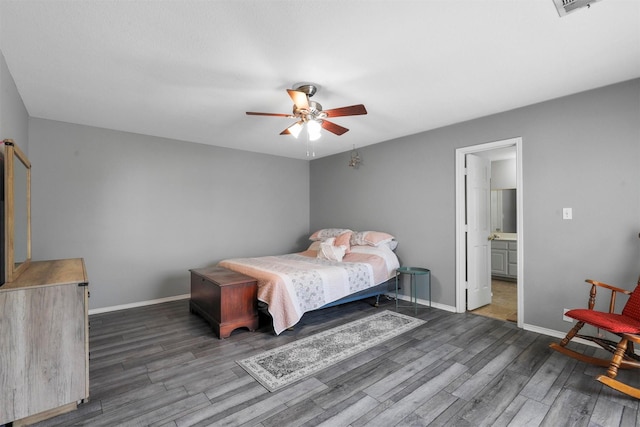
567,213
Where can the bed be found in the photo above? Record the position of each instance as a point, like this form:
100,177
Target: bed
340,265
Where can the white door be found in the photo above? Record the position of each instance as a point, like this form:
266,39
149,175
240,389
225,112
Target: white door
478,231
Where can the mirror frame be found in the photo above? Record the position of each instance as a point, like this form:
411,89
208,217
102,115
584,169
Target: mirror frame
10,153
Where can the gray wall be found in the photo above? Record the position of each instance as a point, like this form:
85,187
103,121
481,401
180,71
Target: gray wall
143,210
14,119
581,151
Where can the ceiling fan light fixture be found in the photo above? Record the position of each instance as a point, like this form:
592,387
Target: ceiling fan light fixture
295,129
314,136
314,108
313,128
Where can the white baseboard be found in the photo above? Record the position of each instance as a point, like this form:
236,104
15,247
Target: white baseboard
552,333
444,307
186,296
138,304
452,309
526,327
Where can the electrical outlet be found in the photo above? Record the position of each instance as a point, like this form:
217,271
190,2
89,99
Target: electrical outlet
565,318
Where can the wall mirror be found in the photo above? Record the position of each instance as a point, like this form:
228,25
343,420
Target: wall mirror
503,211
17,211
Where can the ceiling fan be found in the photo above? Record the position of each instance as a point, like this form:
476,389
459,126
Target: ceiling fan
311,114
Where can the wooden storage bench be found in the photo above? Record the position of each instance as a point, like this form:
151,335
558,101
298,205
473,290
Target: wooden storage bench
226,299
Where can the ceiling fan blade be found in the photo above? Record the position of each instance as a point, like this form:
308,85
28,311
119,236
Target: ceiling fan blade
299,98
334,128
251,113
294,129
353,110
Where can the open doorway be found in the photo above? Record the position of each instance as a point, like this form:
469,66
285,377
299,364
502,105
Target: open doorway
500,265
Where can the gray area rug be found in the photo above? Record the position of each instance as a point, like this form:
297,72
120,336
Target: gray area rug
284,365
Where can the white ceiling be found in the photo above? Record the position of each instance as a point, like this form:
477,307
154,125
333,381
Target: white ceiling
189,70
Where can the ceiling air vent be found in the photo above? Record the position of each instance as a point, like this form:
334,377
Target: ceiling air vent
567,6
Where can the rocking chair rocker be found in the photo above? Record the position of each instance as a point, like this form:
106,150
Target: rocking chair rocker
625,325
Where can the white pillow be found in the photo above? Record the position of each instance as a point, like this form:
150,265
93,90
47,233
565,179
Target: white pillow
329,251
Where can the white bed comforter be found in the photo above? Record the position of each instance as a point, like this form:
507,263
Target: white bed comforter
293,284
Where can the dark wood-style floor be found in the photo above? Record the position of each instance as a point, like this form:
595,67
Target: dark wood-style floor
162,366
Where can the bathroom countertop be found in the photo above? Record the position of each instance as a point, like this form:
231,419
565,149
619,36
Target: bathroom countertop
505,236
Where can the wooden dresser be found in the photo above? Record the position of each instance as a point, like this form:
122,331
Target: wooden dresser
226,299
44,359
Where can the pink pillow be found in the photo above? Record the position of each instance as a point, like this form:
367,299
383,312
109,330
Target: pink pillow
343,240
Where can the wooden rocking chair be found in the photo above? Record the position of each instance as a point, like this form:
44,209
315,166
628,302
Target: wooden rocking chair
625,325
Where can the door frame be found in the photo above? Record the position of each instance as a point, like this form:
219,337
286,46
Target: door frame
461,255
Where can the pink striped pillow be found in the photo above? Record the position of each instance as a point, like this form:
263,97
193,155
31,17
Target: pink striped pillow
371,238
327,233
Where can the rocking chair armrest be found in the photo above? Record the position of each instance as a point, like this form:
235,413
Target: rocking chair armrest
607,286
614,290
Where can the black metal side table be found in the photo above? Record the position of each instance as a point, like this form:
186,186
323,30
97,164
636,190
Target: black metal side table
413,272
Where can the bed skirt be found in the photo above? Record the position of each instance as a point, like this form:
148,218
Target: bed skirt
375,291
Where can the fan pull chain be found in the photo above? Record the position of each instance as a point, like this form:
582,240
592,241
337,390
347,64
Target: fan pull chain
310,151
